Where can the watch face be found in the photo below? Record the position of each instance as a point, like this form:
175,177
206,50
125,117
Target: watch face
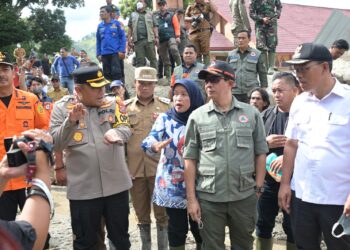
259,189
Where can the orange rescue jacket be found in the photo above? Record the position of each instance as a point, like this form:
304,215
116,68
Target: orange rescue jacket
24,112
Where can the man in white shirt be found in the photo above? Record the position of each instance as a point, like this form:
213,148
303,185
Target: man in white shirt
317,151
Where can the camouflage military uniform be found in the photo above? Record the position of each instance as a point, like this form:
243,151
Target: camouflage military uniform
200,31
266,34
240,19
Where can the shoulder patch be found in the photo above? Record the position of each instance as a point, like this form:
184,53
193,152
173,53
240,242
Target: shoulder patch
164,100
106,103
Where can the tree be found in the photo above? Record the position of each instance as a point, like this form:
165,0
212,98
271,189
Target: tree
127,7
44,29
12,29
48,28
19,5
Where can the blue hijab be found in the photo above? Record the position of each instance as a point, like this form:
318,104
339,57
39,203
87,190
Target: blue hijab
196,100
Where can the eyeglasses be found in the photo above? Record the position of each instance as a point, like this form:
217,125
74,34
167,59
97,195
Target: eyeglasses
303,69
213,79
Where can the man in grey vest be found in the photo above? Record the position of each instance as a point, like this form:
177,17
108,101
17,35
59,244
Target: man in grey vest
169,36
248,63
189,68
143,35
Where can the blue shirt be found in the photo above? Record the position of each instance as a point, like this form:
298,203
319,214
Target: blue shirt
169,188
110,38
60,69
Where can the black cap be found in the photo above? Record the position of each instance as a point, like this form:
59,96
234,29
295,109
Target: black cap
5,59
55,77
91,75
307,52
161,1
219,68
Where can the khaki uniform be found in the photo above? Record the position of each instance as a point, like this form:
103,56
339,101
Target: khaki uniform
225,146
200,35
94,168
57,95
142,166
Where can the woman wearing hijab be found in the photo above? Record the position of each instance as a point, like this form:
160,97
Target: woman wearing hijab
167,135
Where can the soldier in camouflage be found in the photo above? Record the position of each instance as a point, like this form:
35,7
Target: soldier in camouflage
265,14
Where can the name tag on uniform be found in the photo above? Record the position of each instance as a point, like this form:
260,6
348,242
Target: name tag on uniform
165,25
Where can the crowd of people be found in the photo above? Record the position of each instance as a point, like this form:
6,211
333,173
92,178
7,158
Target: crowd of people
215,154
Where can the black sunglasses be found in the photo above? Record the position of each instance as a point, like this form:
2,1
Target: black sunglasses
213,79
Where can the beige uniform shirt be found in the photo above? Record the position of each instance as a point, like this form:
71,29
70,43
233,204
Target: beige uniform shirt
141,120
94,169
57,95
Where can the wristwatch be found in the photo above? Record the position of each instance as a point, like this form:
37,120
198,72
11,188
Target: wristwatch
259,190
47,147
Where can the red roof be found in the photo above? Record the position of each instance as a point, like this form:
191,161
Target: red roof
220,42
298,23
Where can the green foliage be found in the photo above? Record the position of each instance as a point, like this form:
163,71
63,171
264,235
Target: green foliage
19,5
47,24
87,43
52,45
127,7
12,29
43,30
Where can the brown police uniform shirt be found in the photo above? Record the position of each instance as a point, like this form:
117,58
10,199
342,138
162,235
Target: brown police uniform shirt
197,10
142,119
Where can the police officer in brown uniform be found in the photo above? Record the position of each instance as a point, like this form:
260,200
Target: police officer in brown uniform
143,110
198,14
92,129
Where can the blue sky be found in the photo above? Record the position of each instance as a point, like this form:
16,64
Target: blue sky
83,21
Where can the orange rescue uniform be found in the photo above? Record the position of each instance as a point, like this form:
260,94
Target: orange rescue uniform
24,112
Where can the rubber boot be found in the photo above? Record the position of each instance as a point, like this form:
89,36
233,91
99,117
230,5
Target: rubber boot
291,246
206,59
263,244
162,237
178,248
167,73
272,61
145,234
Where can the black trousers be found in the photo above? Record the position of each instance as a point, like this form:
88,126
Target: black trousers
111,67
178,227
9,203
86,219
310,221
268,210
